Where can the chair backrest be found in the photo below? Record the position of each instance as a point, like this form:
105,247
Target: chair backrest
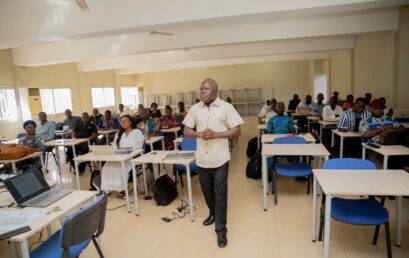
289,140
82,225
188,144
20,135
348,163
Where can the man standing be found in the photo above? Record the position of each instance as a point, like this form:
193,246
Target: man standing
215,121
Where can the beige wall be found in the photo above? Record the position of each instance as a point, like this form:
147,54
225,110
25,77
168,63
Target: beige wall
286,78
402,56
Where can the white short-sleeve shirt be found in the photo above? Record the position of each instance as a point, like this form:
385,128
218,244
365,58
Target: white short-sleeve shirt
220,116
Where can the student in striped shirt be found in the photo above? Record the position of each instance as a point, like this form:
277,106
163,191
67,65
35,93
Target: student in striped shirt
348,118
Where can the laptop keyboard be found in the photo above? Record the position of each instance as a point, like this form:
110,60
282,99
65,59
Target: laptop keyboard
47,198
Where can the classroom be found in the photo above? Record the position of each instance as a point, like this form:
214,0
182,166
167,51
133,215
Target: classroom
209,129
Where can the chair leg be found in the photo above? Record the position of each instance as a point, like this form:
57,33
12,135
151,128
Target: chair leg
309,184
275,187
388,240
375,235
181,181
46,162
101,255
322,217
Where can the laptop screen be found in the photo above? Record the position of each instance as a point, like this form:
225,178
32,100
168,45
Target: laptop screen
27,185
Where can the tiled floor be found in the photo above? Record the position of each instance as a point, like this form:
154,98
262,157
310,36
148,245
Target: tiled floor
283,231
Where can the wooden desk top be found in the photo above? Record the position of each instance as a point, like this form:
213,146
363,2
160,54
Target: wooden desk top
326,123
159,157
114,157
65,142
66,204
313,149
269,138
171,130
32,155
346,134
316,118
363,182
101,131
389,150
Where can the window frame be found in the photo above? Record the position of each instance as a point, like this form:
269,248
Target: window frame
54,103
136,99
103,87
17,117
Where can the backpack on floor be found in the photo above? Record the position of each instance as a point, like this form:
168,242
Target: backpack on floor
95,182
251,147
253,169
164,190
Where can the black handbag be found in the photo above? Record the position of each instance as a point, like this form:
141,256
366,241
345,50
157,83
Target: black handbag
164,190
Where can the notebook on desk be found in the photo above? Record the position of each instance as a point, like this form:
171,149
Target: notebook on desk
31,190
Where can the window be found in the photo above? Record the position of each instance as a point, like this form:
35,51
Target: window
8,104
129,97
55,101
103,97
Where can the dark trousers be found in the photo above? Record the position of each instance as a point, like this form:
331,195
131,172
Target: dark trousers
213,182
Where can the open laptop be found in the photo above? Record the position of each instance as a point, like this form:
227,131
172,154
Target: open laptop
102,149
394,138
31,190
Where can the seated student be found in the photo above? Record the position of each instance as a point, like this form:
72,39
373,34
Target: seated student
147,125
302,120
280,123
34,143
348,118
45,129
293,104
335,95
347,122
168,121
128,137
374,128
388,111
273,104
265,109
271,112
122,110
348,103
368,97
84,129
332,111
71,121
180,115
96,116
317,107
155,112
108,122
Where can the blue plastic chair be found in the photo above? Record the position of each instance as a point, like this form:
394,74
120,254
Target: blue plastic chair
77,231
188,144
295,169
365,212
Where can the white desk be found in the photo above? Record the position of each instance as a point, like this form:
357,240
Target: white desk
67,204
65,143
63,133
107,133
269,138
121,158
357,183
386,151
152,139
260,127
310,119
323,124
270,150
174,130
29,156
158,157
342,136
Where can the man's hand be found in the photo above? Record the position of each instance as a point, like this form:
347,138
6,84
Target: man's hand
208,134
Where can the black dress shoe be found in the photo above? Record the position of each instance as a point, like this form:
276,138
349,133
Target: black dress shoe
209,221
221,239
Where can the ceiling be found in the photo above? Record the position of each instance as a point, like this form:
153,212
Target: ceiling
122,34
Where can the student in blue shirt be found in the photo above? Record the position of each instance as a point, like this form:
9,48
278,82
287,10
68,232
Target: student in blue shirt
280,123
46,129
